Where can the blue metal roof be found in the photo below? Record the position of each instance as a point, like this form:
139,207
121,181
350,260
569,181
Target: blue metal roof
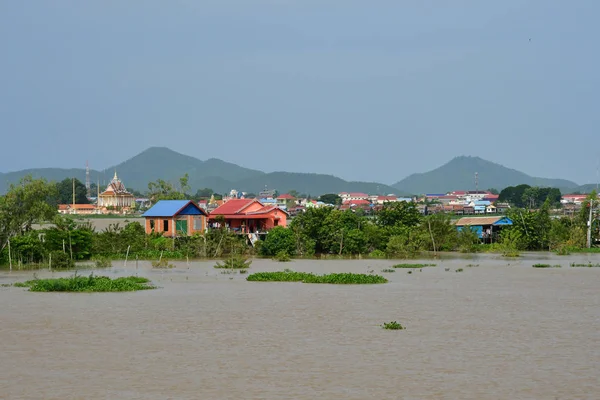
171,208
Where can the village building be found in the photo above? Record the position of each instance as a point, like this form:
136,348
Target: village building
353,196
487,228
248,216
116,196
175,218
80,209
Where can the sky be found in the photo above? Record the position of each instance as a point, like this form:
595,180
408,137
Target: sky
370,91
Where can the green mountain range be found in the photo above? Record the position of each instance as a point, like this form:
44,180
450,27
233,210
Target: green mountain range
459,174
163,163
221,176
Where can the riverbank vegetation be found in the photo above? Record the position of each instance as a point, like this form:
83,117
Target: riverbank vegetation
397,231
307,277
77,283
393,325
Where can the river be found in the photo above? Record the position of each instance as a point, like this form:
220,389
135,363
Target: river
498,330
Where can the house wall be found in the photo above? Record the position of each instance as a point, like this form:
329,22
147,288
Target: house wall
171,222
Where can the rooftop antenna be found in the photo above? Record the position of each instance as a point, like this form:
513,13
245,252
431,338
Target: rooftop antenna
88,186
73,191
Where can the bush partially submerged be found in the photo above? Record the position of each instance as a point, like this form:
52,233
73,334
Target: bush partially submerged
589,265
91,283
395,326
162,263
545,266
307,277
283,256
237,262
103,262
413,265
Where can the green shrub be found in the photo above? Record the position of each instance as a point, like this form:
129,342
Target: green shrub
413,265
91,283
283,256
545,266
307,277
395,326
162,263
61,260
377,254
102,262
589,265
236,262
459,270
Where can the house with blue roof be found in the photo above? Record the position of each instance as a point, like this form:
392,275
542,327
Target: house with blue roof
175,218
487,228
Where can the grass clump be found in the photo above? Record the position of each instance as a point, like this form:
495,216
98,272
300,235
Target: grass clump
307,277
388,270
413,265
459,270
162,263
545,266
471,265
103,262
377,254
77,283
283,256
394,326
588,265
237,262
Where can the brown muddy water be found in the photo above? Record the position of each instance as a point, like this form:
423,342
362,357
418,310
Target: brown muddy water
499,330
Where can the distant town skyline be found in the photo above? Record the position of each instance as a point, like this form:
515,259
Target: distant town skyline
343,88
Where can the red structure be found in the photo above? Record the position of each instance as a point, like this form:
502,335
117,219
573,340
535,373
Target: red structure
248,215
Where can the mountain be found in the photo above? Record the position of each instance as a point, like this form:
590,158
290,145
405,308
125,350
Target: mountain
459,174
221,176
587,188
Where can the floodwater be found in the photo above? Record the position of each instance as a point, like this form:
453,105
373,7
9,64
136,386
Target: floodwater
499,330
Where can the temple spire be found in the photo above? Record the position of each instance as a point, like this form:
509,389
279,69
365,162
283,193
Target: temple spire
115,178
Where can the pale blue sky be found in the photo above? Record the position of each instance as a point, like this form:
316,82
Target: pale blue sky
364,90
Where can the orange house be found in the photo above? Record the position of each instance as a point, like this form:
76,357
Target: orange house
249,215
175,218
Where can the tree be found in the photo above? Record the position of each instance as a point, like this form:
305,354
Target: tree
493,191
184,186
279,239
294,193
65,192
204,193
163,190
513,195
399,214
331,198
25,204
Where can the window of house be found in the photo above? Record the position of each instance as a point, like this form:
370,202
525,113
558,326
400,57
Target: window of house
152,225
165,225
198,223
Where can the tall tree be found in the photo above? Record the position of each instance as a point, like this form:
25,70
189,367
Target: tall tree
25,204
65,192
331,198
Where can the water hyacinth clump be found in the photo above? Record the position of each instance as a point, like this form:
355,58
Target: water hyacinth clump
77,283
413,265
545,266
588,265
307,277
237,262
394,325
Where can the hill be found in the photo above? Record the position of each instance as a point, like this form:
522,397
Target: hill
459,174
221,176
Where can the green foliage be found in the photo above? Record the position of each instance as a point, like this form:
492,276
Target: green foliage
377,254
60,260
163,190
92,283
162,263
394,326
235,262
415,265
306,277
467,240
589,265
396,214
459,270
103,262
279,239
545,266
331,198
64,192
283,256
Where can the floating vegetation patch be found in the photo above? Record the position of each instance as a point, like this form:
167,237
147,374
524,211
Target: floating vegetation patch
588,265
283,256
102,262
162,263
471,265
77,283
387,270
394,326
459,270
307,277
413,265
545,266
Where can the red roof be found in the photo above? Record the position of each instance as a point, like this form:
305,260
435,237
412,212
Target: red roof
357,194
387,198
286,197
357,202
233,206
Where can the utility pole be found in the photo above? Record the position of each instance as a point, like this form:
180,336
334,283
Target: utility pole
73,192
589,229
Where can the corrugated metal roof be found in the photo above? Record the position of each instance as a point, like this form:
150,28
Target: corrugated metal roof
169,208
477,221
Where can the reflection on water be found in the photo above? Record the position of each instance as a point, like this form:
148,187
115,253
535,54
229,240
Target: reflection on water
501,330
